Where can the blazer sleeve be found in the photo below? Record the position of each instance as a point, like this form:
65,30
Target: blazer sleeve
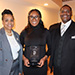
20,55
20,60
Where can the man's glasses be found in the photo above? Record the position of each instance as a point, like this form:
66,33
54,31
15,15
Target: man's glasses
34,17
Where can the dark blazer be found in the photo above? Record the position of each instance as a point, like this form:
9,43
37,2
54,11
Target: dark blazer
68,49
6,59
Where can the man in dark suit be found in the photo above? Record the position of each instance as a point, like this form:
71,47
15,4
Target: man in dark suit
63,44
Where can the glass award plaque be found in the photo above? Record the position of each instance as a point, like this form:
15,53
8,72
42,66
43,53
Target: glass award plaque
34,55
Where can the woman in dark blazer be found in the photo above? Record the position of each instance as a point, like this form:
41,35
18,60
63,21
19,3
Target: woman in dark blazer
10,47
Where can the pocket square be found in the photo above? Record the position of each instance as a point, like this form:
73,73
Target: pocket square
72,37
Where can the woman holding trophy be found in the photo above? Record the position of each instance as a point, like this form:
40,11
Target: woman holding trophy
34,38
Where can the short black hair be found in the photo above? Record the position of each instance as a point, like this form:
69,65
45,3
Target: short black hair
7,11
66,6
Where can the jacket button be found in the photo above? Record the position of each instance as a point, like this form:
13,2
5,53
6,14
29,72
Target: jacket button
6,60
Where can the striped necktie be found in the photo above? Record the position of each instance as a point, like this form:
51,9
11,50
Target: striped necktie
63,30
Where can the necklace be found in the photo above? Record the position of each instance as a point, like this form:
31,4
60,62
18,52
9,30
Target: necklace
9,33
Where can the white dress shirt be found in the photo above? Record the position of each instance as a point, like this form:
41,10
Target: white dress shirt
66,25
14,46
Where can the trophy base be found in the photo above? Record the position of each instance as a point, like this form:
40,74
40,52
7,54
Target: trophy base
33,64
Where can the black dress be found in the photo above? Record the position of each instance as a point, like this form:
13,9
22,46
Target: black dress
37,37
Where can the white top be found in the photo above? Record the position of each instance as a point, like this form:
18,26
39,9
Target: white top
66,25
14,46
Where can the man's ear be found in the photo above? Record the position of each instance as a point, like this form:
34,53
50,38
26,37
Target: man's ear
71,13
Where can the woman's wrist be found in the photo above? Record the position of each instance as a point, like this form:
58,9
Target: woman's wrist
24,57
45,57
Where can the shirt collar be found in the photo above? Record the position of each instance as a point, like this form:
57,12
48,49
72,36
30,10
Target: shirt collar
66,24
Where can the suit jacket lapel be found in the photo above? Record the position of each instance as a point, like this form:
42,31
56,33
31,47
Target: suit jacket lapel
18,41
6,44
57,35
68,32
17,38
